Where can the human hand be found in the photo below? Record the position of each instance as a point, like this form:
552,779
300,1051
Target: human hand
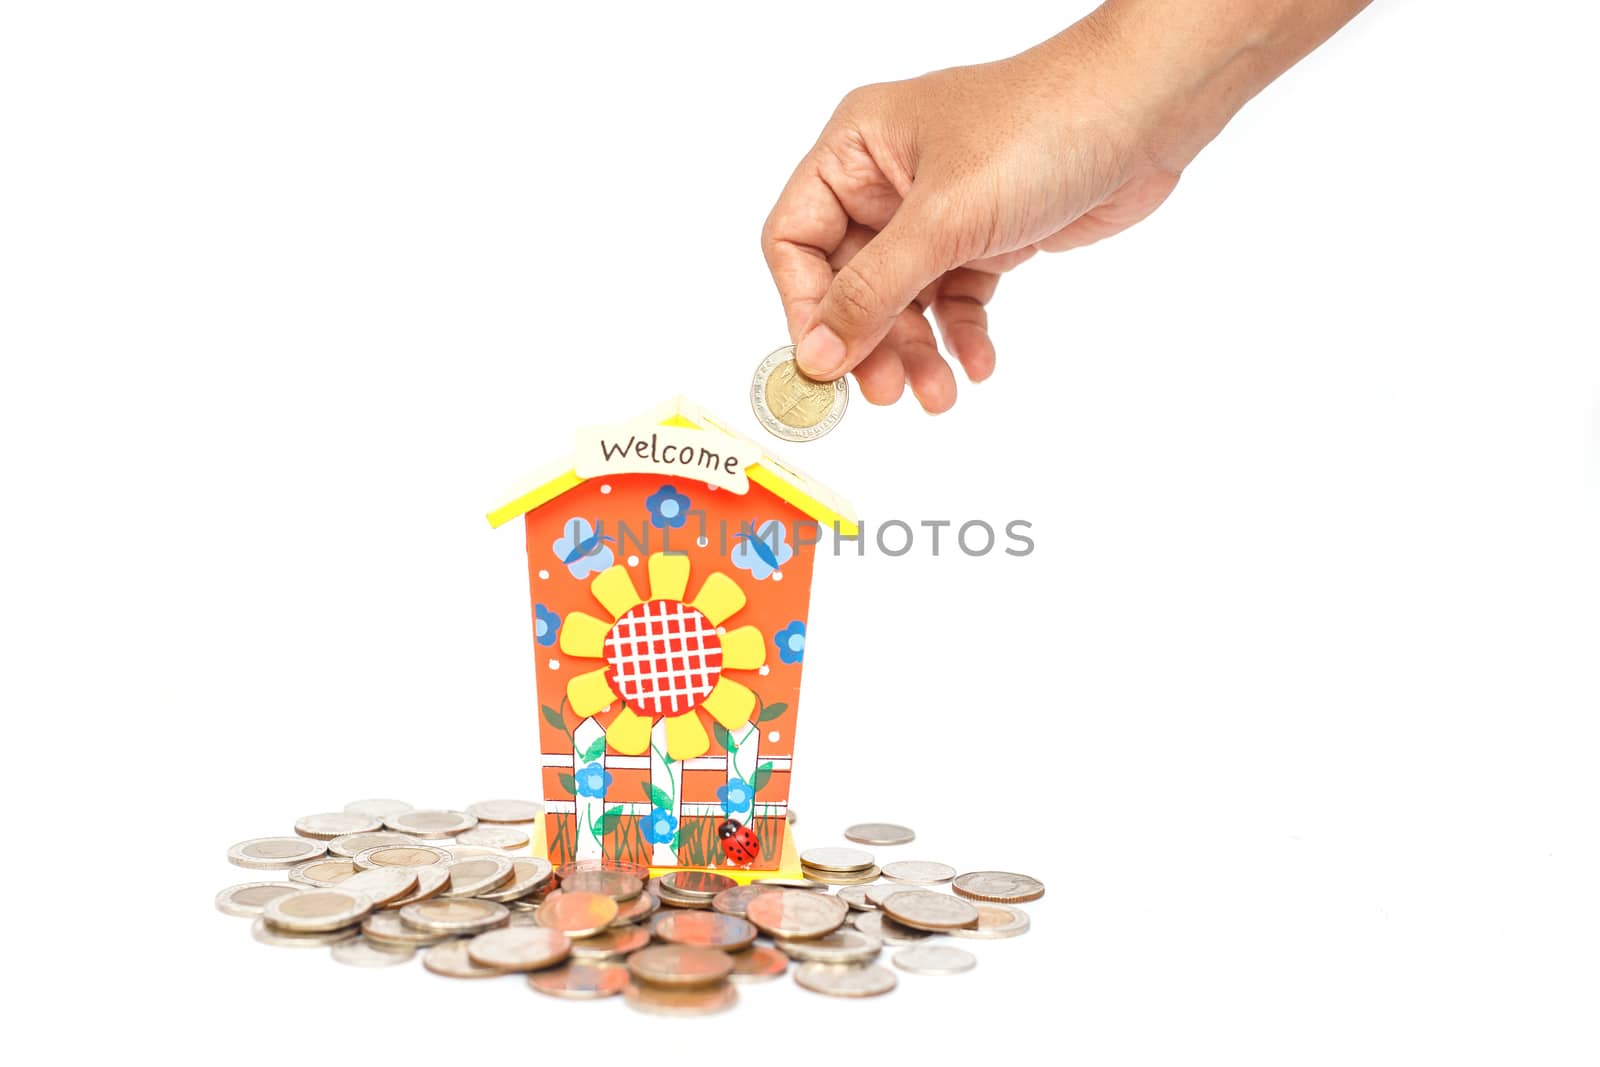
919,194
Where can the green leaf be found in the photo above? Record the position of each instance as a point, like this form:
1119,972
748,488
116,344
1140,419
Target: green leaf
657,797
772,711
594,751
758,781
609,821
724,738
569,783
553,717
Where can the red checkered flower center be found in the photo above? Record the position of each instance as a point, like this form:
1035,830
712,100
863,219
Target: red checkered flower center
665,657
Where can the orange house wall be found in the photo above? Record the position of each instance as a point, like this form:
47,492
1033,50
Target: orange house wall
772,604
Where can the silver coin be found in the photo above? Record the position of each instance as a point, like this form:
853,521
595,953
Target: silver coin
527,875
995,921
790,883
796,913
877,894
383,885
450,959
275,853
417,855
387,927
934,958
845,979
708,929
507,837
378,808
360,952
506,810
923,909
876,924
431,825
842,860
841,946
470,877
521,948
327,825
791,406
431,881
316,911
1001,887
880,833
918,872
271,935
467,852
325,873
248,899
861,877
350,844
454,915
856,897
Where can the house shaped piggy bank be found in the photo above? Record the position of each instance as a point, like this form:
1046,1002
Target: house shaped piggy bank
669,564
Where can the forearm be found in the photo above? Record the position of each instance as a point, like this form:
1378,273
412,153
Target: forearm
1178,70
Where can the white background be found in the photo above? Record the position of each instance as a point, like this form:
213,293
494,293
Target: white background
1293,707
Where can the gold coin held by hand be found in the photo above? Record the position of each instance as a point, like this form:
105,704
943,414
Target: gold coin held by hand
790,405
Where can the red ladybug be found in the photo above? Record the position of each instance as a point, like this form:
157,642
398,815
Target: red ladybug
739,843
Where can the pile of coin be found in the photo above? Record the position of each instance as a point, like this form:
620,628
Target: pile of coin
380,881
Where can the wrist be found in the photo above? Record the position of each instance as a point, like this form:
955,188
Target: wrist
1176,71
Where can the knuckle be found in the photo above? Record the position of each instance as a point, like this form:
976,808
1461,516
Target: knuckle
852,300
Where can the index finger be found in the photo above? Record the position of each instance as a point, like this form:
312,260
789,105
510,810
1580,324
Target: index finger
805,227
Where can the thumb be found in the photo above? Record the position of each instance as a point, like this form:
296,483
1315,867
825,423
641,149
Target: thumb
869,291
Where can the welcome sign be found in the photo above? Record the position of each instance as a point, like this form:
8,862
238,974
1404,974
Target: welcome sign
716,459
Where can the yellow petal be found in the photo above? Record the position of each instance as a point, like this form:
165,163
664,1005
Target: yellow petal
669,576
686,737
743,649
590,693
584,636
614,589
730,703
629,733
719,597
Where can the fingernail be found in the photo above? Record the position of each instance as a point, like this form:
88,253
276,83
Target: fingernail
820,353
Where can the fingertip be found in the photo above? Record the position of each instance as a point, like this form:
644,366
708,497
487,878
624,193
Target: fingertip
821,354
975,350
881,378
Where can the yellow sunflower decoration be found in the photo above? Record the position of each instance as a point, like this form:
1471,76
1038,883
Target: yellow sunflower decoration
664,657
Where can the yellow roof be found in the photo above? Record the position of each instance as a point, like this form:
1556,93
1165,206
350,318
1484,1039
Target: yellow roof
771,473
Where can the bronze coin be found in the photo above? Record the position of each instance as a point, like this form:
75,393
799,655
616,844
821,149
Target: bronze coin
680,965
581,980
638,870
696,884
758,964
710,929
611,943
577,914
664,1000
618,885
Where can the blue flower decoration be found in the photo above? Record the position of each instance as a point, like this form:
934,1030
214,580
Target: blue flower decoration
791,642
582,549
545,625
736,796
659,826
761,550
593,781
669,509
